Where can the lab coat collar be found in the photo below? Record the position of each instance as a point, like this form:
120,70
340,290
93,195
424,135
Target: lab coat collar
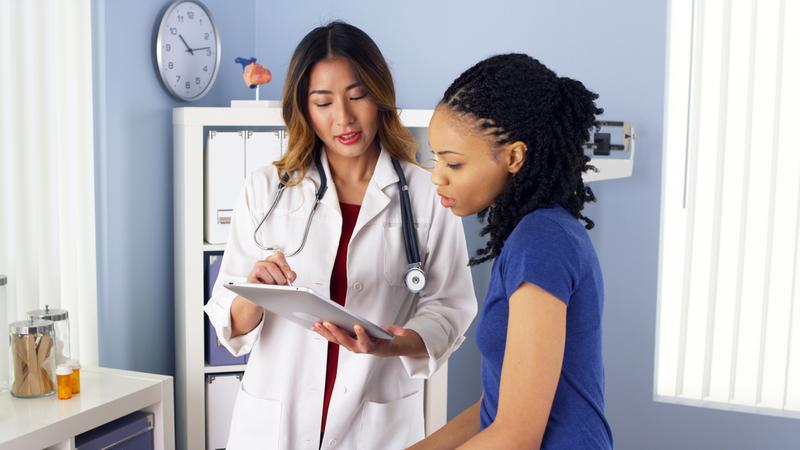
331,198
375,199
383,176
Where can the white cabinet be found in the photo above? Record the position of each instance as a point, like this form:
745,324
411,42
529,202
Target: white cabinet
242,130
106,395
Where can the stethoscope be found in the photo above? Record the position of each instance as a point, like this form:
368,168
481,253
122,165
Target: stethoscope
415,278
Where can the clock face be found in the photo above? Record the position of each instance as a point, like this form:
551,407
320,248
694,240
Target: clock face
187,50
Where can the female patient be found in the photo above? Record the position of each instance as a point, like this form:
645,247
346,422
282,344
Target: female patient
508,136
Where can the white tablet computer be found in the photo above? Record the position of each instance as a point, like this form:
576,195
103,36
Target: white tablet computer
304,306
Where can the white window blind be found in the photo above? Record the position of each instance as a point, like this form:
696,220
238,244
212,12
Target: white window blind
729,276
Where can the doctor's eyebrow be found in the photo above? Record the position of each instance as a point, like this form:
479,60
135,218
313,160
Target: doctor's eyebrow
328,92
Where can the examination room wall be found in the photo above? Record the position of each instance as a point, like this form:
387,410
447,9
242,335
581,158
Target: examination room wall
617,48
133,171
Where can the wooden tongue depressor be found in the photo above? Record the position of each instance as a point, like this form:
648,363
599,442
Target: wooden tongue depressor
31,374
42,353
20,368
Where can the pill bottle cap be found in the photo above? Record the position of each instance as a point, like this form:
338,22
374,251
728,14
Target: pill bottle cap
63,369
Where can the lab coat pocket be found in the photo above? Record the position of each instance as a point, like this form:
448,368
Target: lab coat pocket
256,422
395,262
393,425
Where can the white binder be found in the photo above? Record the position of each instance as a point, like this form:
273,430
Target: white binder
224,172
221,390
229,157
262,148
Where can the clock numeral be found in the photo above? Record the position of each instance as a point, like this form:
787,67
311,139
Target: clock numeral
168,48
180,18
188,85
173,31
170,65
208,52
197,81
190,14
205,68
177,78
206,35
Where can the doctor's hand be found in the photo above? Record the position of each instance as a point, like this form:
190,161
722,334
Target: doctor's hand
405,343
273,270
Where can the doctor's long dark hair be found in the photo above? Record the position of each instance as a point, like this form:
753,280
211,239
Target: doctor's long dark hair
339,39
513,98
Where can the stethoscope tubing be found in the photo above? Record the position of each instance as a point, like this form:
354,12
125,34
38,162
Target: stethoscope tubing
319,189
409,230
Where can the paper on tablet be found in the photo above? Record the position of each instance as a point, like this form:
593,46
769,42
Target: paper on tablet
304,306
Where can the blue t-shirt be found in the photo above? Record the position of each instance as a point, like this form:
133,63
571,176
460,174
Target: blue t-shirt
551,249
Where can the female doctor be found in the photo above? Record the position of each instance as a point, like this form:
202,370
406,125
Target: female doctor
299,390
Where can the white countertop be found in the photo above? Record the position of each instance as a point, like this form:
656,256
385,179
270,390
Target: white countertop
106,394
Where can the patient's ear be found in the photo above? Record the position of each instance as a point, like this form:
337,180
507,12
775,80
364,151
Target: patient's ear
515,156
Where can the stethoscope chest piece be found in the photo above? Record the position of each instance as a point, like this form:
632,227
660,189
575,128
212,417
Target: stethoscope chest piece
415,278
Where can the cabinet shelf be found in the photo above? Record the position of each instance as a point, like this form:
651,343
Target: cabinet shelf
225,369
213,247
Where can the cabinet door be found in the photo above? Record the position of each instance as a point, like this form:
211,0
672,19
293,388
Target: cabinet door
224,174
221,393
262,148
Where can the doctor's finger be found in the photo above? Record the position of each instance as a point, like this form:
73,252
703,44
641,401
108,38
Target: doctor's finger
279,259
396,330
362,337
365,342
343,338
276,273
322,331
260,274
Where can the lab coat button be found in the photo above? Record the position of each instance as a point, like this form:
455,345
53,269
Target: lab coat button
358,286
332,442
344,389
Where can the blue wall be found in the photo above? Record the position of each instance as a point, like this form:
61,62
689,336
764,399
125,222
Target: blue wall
133,115
617,48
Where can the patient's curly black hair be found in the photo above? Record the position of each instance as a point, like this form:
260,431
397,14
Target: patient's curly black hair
514,97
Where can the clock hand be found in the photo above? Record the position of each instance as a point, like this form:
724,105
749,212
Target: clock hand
188,49
201,48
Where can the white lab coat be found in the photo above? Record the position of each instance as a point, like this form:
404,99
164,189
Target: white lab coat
377,403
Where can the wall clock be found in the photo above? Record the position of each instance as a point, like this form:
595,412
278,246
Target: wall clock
187,50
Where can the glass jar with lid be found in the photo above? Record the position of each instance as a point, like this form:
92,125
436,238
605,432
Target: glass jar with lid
32,358
60,319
